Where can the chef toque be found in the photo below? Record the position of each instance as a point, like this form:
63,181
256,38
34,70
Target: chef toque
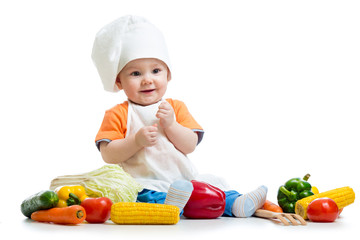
123,40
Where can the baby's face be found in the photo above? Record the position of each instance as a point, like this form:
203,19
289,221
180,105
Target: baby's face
144,80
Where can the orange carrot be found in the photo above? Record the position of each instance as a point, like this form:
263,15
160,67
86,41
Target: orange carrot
270,206
68,215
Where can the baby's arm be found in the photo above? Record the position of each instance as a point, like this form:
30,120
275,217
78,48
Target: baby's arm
184,139
120,150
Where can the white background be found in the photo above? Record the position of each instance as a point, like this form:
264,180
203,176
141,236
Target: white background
275,85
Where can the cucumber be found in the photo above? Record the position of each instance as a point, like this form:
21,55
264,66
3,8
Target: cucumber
39,201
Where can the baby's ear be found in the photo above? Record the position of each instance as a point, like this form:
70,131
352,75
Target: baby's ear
168,74
118,82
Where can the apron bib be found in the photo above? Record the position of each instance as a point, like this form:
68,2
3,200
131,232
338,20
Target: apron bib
158,166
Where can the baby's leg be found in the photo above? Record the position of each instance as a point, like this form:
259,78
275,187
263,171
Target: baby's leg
246,205
179,193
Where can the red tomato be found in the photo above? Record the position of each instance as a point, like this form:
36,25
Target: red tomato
323,210
97,209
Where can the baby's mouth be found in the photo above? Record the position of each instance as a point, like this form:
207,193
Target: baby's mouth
147,90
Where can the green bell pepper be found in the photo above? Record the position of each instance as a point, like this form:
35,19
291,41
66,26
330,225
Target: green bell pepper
293,190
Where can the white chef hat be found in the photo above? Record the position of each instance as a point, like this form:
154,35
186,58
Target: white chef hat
123,40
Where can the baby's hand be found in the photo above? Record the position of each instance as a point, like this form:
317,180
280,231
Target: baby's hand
147,136
165,114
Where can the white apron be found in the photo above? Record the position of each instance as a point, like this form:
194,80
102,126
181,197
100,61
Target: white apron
158,166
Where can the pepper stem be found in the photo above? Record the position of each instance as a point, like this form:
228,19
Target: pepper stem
291,196
306,177
73,200
285,191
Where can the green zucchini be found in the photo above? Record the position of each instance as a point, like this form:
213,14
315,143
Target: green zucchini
39,201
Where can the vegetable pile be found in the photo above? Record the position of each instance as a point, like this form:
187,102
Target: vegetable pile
110,191
45,206
73,199
298,196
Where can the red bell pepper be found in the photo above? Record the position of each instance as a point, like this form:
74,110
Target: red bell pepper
206,201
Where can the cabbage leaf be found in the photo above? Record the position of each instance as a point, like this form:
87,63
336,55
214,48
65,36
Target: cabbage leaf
108,181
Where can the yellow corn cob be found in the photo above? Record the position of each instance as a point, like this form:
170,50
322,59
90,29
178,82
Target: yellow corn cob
144,213
342,197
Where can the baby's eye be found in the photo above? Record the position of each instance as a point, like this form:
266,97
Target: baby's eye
136,73
156,70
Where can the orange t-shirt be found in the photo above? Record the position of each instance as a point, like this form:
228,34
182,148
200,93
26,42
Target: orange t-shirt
114,125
